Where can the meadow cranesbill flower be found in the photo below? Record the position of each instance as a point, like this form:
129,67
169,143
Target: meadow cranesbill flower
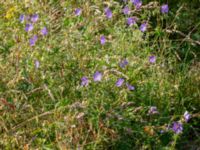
34,18
84,81
119,82
44,31
152,59
108,13
126,10
164,8
131,21
29,27
97,76
102,40
137,3
22,18
177,127
78,11
37,64
186,116
153,110
130,87
33,40
123,63
143,27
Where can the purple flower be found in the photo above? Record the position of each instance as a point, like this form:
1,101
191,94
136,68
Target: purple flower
84,81
102,40
152,59
177,127
33,40
34,18
153,110
187,116
137,3
44,31
108,13
143,27
123,63
162,131
22,18
119,82
37,64
126,10
78,11
29,27
97,76
131,21
164,8
130,87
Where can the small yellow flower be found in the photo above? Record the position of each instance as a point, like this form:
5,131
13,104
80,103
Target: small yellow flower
10,12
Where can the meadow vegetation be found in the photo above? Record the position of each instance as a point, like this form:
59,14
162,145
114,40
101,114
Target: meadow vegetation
97,75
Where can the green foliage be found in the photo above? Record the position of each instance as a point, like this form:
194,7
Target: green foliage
47,108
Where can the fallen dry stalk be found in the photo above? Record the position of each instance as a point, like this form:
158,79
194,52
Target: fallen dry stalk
188,38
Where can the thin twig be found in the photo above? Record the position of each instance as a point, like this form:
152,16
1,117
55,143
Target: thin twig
177,14
34,90
184,35
29,120
49,92
33,118
117,72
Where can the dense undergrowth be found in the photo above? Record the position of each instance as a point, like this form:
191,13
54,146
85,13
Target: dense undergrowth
91,74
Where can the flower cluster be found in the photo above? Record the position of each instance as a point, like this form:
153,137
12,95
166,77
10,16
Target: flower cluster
132,20
126,10
31,21
177,126
97,77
